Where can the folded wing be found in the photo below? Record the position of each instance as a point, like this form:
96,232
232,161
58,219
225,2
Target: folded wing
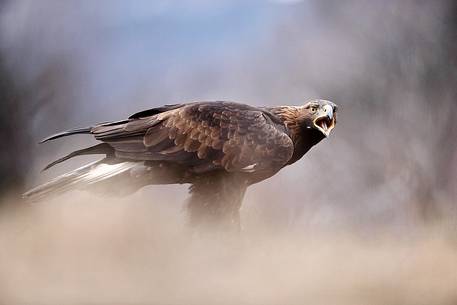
202,136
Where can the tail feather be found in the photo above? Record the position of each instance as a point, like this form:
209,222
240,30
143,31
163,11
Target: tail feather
85,130
102,148
80,178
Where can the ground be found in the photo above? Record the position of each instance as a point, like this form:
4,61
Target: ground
80,249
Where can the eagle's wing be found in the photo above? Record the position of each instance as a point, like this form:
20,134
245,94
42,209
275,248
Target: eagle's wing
203,136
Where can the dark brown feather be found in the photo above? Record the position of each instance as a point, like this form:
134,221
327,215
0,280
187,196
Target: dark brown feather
243,135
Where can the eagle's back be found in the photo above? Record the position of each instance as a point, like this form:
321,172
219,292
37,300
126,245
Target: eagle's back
203,136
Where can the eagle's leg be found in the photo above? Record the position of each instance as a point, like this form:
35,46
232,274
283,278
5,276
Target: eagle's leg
216,200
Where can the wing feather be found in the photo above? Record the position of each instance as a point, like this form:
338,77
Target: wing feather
203,136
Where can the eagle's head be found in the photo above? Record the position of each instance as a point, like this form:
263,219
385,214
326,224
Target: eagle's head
319,115
307,124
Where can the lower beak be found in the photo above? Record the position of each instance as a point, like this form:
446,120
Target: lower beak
325,122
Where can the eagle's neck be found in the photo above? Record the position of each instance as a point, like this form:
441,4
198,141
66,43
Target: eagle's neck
303,135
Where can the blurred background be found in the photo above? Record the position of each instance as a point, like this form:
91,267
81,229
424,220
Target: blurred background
390,167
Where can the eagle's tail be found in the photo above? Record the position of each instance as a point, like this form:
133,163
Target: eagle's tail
102,148
82,178
85,130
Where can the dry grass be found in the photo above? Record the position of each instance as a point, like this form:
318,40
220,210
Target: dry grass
91,251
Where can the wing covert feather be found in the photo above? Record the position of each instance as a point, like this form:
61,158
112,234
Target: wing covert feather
204,136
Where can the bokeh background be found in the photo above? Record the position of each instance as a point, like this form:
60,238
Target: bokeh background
389,168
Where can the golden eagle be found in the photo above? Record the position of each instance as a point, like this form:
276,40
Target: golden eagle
219,148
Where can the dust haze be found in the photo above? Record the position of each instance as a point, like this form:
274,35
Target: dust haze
368,216
80,249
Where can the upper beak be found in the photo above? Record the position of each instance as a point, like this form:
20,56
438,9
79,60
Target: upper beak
327,109
325,120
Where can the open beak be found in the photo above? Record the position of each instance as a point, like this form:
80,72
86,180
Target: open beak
325,120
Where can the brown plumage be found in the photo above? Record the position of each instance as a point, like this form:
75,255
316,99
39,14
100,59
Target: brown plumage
220,148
